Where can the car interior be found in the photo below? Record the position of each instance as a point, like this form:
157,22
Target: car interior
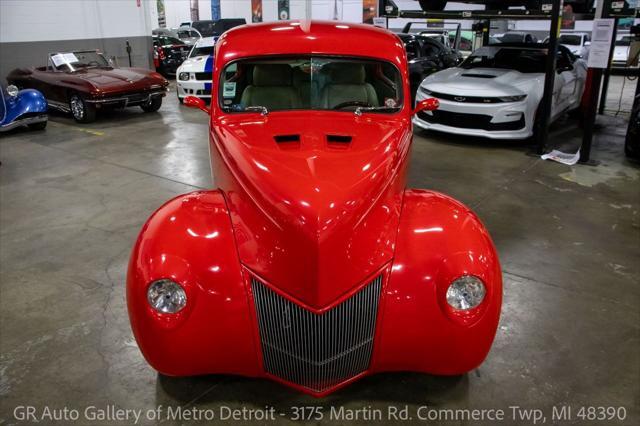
310,84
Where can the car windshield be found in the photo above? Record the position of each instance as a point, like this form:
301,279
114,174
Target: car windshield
523,60
624,41
74,61
315,83
201,51
571,40
167,40
206,28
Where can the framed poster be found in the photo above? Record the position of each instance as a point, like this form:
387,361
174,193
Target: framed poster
369,10
256,10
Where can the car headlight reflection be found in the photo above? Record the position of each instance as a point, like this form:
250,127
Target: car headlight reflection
166,296
467,292
183,76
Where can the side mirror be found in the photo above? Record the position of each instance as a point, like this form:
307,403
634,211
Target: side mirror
195,102
12,91
430,104
587,43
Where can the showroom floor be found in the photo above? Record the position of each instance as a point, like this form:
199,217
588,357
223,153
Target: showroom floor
74,197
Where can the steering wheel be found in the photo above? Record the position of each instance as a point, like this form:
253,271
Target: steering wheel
352,104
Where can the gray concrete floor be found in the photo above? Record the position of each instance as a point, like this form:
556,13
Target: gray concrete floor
73,198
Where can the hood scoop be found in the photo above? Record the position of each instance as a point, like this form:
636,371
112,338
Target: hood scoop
479,75
339,141
288,141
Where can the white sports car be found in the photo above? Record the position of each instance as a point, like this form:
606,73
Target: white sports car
496,92
194,76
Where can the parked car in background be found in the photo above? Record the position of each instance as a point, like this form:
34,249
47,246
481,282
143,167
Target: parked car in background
516,37
622,51
497,91
312,264
22,108
194,75
168,54
632,142
84,81
186,35
425,56
217,28
577,43
579,6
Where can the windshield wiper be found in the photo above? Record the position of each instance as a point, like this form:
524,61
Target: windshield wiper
361,110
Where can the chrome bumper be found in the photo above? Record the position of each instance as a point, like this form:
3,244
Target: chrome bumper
24,122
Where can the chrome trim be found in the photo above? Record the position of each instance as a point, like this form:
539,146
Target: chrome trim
24,122
125,98
316,351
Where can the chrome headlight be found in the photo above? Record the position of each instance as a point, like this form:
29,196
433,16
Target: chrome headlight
166,296
183,76
512,98
12,90
467,292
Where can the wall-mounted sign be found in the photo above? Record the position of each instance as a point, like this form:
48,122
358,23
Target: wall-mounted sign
283,10
601,38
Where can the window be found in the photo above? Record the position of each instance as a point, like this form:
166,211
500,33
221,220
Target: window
310,83
201,51
523,60
571,40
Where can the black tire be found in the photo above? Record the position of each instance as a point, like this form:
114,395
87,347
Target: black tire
432,5
82,111
537,124
38,126
153,105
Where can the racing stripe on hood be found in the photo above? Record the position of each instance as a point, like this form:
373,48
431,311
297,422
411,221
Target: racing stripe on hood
208,68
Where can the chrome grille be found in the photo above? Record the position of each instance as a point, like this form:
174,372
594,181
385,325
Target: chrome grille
316,351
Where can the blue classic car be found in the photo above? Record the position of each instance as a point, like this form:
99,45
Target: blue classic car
26,107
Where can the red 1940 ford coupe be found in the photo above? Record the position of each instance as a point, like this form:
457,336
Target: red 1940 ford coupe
311,264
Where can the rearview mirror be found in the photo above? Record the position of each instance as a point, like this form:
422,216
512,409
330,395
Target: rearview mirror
430,104
195,102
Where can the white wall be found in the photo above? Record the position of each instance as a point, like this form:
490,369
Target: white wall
39,20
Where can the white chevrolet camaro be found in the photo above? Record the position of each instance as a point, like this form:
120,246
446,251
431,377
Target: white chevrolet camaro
496,92
194,76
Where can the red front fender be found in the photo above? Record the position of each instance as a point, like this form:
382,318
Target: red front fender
438,241
190,240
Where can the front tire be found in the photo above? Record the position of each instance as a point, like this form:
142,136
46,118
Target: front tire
432,5
82,111
153,105
38,126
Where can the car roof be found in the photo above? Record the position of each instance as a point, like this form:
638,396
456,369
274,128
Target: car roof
311,37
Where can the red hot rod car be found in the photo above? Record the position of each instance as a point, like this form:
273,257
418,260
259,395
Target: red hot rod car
311,264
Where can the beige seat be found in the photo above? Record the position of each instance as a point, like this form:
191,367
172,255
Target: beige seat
272,88
347,83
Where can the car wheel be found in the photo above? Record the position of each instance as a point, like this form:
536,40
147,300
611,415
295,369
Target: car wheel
152,105
537,123
432,5
82,111
38,126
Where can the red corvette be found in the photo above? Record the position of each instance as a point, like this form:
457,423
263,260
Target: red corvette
312,264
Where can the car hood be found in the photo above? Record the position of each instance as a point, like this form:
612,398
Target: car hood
314,218
480,81
113,78
197,64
